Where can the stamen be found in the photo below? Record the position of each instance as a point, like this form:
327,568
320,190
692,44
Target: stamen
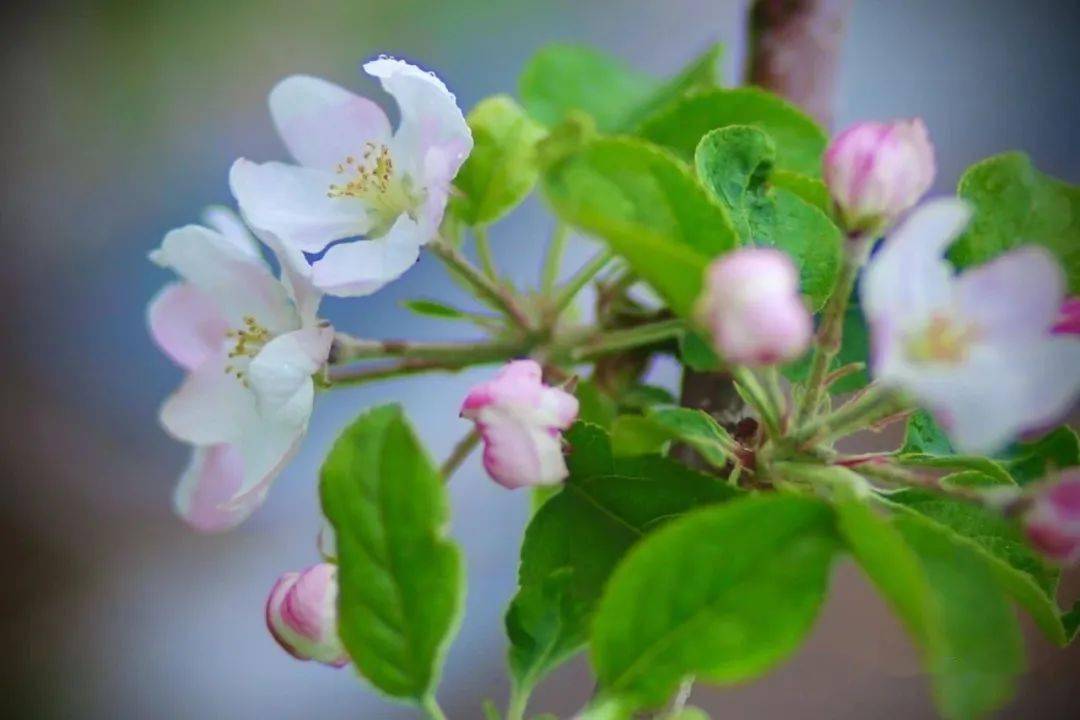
249,340
943,340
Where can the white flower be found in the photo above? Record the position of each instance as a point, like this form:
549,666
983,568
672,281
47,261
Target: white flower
356,179
975,349
249,356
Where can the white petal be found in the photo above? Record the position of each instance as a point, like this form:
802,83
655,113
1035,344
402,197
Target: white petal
211,480
1015,297
909,278
210,407
517,452
238,285
232,228
433,138
296,275
280,375
293,204
186,324
322,124
363,267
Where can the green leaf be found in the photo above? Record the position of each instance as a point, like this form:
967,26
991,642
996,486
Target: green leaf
811,190
923,436
433,308
1038,459
650,209
401,580
800,142
1015,204
724,594
642,396
697,429
637,435
696,353
501,169
1024,575
594,405
576,538
735,163
925,445
561,79
977,649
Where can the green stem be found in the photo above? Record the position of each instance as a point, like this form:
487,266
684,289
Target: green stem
349,376
485,288
873,404
553,259
459,454
432,709
756,395
348,349
776,393
519,702
616,340
831,331
573,286
483,250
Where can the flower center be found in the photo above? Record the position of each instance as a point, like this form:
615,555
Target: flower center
247,342
943,340
372,178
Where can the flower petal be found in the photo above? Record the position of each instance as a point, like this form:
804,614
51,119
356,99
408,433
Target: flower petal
518,452
210,480
433,136
322,124
293,203
232,228
186,324
1015,297
909,277
363,267
280,375
210,407
239,286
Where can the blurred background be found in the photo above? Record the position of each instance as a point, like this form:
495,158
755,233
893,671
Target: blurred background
120,121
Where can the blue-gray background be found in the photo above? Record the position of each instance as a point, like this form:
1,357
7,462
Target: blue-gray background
120,120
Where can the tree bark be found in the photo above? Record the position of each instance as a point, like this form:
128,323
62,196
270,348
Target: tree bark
794,52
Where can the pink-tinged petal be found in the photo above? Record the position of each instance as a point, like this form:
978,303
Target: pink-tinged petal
1053,522
211,406
211,479
239,286
560,406
233,229
908,280
294,204
281,374
518,453
1068,320
360,268
301,614
186,324
322,124
1013,298
433,136
296,276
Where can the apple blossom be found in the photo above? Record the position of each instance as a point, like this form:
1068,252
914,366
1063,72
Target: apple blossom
519,419
301,614
1068,322
975,349
752,308
877,171
249,357
1052,523
355,179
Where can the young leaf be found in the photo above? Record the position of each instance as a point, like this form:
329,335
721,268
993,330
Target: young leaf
925,445
810,189
735,163
979,648
697,354
1016,204
433,308
501,169
697,429
561,79
400,579
724,594
649,207
576,538
595,406
799,141
1039,459
854,348
637,435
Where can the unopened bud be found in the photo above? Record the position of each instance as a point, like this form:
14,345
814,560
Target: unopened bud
1053,522
301,614
752,308
878,171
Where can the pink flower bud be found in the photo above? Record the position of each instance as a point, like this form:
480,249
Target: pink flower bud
301,614
1068,322
752,308
520,419
1053,522
878,171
